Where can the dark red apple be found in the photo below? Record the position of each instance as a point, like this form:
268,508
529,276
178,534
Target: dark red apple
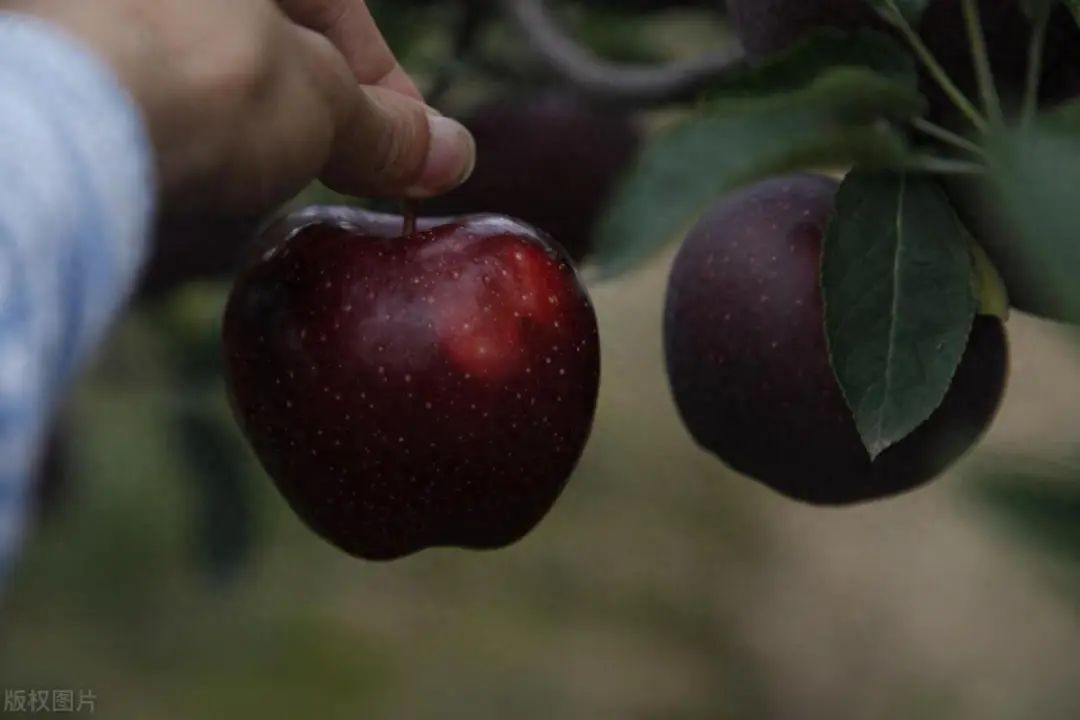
407,392
749,365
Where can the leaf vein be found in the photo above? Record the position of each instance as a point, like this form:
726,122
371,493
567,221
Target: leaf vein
894,312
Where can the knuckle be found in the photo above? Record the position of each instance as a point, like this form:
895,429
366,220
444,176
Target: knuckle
401,149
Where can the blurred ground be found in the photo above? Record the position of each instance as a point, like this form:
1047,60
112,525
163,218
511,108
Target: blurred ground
661,586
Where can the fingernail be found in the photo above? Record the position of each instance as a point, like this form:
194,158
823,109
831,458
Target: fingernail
450,159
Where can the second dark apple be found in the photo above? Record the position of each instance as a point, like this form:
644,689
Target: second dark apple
749,364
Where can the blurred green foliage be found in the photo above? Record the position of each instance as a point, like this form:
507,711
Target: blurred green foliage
1039,501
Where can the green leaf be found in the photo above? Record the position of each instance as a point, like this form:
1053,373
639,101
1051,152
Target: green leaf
837,119
909,10
897,279
821,51
1036,173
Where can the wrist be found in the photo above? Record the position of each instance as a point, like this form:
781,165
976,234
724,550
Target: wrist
123,48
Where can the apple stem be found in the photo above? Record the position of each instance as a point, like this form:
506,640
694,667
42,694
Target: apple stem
409,213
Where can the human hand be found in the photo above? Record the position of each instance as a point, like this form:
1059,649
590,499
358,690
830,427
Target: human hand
246,101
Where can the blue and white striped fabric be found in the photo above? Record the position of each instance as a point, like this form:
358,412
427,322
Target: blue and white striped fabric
76,196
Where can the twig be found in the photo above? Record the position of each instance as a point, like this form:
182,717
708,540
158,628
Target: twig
609,81
934,68
947,136
983,72
1034,67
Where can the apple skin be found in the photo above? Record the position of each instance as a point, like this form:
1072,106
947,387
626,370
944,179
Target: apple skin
431,390
386,226
749,368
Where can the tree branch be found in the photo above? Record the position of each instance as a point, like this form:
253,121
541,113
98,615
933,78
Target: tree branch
608,81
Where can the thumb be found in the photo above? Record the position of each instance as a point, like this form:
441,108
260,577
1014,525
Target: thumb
389,145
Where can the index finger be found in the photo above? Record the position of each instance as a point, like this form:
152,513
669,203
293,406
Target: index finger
348,24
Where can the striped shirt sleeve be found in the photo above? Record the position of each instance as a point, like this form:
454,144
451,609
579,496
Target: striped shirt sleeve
76,196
